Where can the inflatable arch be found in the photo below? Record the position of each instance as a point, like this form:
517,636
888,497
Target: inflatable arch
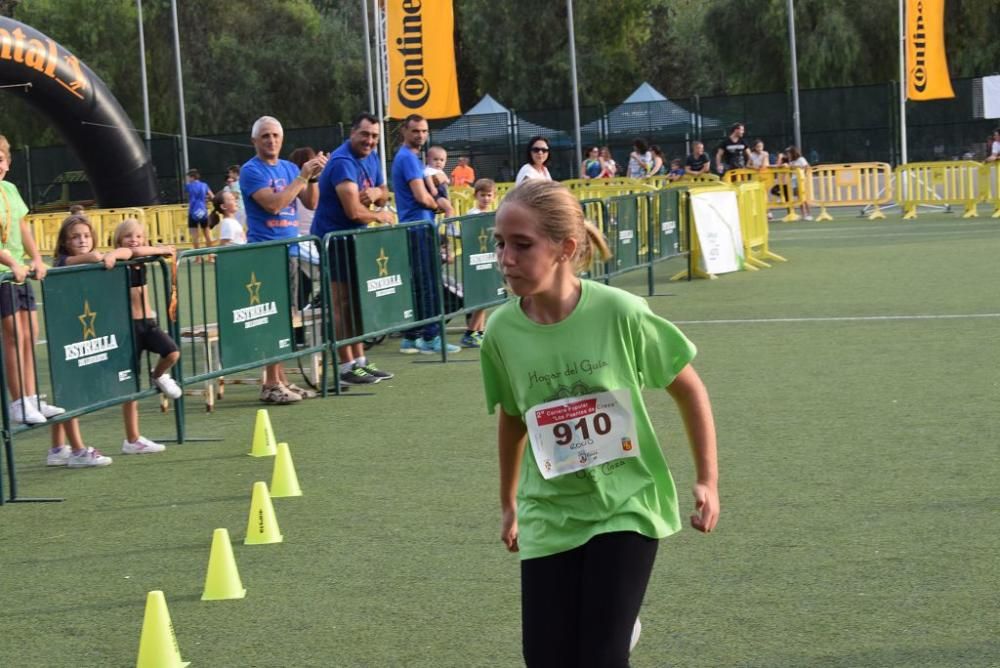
84,111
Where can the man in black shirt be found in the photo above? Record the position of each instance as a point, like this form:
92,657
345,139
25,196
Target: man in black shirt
733,152
698,162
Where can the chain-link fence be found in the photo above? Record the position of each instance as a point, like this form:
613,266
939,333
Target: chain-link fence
845,124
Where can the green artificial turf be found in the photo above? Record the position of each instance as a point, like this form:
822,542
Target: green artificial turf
859,466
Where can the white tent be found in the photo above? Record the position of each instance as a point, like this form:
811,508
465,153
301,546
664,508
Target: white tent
647,111
489,122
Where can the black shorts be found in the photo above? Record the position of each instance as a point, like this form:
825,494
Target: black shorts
149,336
14,298
197,222
342,261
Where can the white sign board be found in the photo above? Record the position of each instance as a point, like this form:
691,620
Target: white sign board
717,224
991,97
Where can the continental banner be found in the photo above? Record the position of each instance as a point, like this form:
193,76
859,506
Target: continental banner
421,44
926,62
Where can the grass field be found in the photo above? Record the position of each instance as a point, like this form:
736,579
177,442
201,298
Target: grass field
857,397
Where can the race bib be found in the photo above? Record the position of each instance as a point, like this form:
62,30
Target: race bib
576,433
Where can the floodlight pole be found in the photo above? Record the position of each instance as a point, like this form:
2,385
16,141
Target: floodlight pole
576,92
796,116
902,83
380,95
368,56
180,87
145,84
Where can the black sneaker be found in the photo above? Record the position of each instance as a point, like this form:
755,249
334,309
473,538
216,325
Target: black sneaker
373,370
358,376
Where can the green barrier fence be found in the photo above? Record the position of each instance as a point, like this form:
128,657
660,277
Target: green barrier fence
470,275
381,280
89,359
240,308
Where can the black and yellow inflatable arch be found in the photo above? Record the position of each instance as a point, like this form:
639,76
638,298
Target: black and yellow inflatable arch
86,114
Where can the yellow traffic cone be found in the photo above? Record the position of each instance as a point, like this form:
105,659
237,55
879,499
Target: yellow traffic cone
262,527
284,482
223,580
157,644
263,436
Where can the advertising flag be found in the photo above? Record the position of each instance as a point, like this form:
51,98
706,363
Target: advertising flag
421,45
926,63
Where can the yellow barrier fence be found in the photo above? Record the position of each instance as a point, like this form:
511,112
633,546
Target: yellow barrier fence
45,226
938,183
786,187
752,201
989,186
867,184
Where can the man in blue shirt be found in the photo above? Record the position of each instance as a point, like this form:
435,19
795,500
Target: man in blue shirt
415,203
351,182
271,188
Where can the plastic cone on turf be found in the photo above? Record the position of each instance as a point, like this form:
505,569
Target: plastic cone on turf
223,580
284,482
263,436
262,527
158,645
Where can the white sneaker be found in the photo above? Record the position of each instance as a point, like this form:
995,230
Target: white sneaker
636,632
48,410
142,446
25,412
58,456
809,217
168,386
89,457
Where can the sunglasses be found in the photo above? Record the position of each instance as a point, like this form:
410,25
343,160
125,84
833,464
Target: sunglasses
539,149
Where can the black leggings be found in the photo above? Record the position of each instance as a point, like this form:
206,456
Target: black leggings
578,607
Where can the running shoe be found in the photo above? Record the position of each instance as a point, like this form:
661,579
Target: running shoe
373,370
58,456
409,346
142,446
168,386
358,376
434,346
89,457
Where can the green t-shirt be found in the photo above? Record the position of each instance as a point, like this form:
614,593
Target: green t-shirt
12,210
611,340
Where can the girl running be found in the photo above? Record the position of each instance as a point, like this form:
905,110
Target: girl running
587,501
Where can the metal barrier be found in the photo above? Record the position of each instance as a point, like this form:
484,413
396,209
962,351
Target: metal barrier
245,307
867,184
989,186
940,183
752,201
787,187
470,275
388,280
90,355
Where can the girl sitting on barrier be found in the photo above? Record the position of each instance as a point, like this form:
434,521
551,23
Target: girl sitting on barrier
17,302
129,240
586,503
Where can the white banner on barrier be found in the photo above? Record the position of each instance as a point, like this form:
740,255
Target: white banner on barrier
991,97
717,224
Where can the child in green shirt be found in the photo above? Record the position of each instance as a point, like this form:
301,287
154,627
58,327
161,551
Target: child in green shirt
566,362
17,302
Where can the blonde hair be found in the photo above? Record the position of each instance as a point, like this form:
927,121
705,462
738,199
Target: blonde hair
560,217
124,228
5,147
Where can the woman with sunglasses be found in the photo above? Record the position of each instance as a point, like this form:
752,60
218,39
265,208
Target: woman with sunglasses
537,159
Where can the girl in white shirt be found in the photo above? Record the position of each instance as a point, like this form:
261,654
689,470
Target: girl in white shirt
224,216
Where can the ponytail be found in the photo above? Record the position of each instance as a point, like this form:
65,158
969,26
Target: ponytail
593,247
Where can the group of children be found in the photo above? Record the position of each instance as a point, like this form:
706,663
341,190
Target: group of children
18,314
227,207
